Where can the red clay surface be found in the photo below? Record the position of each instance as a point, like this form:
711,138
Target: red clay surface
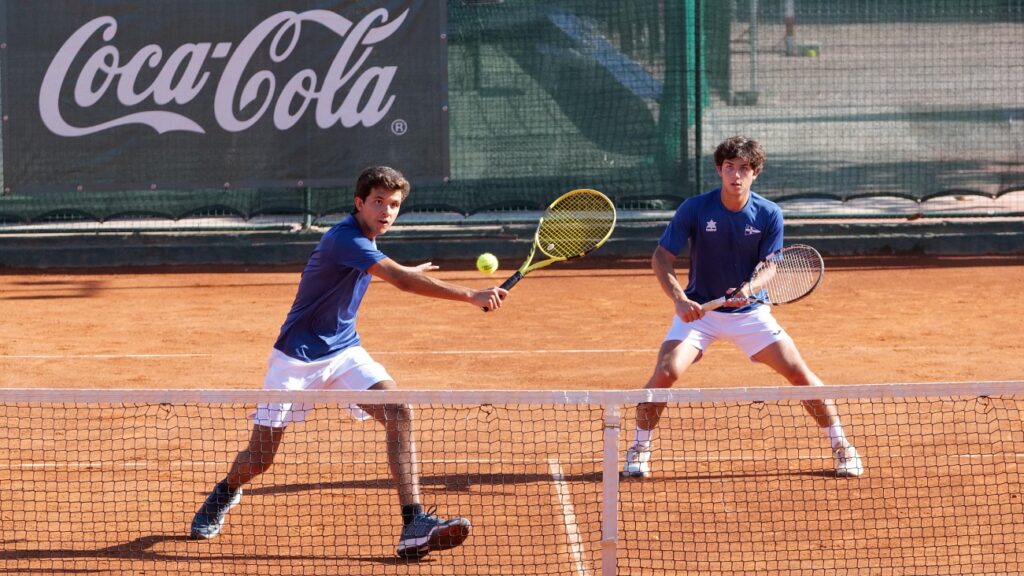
739,489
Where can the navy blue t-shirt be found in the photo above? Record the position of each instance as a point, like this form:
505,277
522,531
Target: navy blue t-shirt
725,246
322,320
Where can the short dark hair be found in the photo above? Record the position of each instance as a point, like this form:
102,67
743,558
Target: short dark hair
741,147
381,177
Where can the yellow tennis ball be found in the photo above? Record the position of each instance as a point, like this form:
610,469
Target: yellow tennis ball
487,263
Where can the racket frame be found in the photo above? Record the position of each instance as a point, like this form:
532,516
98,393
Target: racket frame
528,264
719,302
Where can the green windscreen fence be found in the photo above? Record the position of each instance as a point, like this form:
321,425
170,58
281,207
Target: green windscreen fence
870,101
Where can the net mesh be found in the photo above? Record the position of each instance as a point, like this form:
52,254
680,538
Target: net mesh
741,483
749,489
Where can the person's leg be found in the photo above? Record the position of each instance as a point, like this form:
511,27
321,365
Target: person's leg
283,373
256,458
252,461
422,531
784,357
401,447
674,357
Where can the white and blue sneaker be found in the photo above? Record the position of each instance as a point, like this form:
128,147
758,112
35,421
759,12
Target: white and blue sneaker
427,533
211,515
638,462
848,462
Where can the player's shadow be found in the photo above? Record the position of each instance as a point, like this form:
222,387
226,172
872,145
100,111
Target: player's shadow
447,482
139,549
392,560
735,476
54,290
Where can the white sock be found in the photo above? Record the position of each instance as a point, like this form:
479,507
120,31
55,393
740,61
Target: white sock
836,436
643,437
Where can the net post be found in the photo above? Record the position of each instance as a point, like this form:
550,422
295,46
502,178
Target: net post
610,485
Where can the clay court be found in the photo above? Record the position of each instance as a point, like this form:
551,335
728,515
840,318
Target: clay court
741,488
138,134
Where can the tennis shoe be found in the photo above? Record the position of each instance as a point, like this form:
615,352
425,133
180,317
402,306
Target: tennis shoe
848,462
427,533
638,462
211,515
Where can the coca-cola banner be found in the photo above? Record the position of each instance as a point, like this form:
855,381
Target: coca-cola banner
157,94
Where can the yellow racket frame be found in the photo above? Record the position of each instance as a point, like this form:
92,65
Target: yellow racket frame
575,224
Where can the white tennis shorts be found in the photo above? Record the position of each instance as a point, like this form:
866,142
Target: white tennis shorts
752,331
350,369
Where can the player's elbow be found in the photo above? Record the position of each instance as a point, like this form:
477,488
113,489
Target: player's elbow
662,260
399,276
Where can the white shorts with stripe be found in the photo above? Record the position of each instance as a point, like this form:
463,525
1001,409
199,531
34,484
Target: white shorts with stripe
350,369
752,331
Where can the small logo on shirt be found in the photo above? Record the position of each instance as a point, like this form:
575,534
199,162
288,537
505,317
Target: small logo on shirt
750,230
712,226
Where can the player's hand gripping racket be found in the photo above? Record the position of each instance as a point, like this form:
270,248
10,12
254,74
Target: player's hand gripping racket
785,276
575,224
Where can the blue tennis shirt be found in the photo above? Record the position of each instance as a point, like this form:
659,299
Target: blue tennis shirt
322,320
725,246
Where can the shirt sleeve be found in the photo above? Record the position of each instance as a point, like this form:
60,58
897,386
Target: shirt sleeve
679,228
773,237
354,251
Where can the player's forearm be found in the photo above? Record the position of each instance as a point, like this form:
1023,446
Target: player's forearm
663,264
415,280
671,287
419,283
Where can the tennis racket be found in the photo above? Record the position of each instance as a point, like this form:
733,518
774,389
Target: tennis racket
575,224
784,276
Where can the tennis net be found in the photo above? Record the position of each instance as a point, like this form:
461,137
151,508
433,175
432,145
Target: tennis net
742,482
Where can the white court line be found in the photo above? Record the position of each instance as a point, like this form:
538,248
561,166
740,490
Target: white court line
381,353
476,352
569,514
76,465
96,356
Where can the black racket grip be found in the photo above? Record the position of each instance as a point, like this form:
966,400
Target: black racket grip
512,281
508,284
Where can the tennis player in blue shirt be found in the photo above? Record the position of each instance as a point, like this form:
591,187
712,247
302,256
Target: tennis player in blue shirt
728,231
318,348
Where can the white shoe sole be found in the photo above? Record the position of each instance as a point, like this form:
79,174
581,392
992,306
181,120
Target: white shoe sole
451,534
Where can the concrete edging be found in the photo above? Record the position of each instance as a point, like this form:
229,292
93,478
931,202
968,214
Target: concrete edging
415,243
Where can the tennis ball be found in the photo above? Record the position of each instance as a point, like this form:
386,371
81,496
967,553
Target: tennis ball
812,53
487,263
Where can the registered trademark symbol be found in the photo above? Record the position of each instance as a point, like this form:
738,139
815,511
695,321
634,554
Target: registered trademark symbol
399,127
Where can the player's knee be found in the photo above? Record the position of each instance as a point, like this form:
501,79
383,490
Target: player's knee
665,375
799,375
257,463
805,379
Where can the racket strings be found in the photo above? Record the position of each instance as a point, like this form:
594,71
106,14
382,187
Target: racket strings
576,224
788,277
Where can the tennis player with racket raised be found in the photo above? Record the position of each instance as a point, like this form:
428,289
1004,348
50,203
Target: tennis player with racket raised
318,347
731,232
